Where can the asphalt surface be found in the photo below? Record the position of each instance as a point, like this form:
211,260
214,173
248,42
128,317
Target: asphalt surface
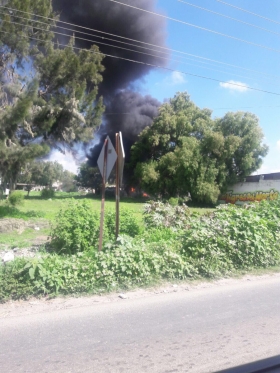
203,330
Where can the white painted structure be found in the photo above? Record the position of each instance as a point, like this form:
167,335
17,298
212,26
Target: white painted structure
250,191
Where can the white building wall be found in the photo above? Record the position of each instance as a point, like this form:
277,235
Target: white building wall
251,191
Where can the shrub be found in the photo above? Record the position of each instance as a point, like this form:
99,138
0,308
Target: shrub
14,283
47,193
173,201
128,223
76,228
231,238
160,234
16,198
270,211
159,214
126,263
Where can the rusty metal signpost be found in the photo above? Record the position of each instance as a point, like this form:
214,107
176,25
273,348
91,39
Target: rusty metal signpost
119,175
105,162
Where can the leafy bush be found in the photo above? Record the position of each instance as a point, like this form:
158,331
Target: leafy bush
159,214
47,193
76,229
128,223
270,211
173,201
231,238
14,283
161,234
121,265
16,198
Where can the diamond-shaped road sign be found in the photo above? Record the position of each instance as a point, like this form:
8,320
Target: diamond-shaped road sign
111,159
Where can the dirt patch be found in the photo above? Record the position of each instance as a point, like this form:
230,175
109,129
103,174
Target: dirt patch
39,240
8,225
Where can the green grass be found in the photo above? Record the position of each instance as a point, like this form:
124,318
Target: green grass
23,240
50,208
35,207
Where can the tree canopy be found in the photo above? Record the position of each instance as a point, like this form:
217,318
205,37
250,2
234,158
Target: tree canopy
48,93
186,151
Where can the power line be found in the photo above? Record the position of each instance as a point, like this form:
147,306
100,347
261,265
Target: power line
245,107
233,19
197,27
162,67
138,41
247,11
134,51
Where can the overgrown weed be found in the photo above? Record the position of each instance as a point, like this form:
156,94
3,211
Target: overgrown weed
179,246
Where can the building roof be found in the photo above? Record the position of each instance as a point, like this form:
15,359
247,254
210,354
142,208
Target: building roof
272,176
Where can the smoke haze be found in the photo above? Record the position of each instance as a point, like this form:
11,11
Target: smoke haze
126,110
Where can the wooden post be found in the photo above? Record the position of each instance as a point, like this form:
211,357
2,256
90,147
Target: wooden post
117,187
103,195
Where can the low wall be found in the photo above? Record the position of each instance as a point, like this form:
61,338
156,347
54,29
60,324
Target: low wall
251,191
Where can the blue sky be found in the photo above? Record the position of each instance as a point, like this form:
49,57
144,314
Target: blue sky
217,96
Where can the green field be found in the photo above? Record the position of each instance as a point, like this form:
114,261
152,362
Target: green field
36,209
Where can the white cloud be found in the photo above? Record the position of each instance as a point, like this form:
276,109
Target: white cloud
278,144
235,86
177,78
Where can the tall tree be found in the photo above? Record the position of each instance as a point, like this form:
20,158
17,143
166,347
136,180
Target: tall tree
48,94
249,151
185,151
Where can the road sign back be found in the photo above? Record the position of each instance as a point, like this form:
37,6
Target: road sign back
111,159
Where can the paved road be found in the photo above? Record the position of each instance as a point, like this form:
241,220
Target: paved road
186,331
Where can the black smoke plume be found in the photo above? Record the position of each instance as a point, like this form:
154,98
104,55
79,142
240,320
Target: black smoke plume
126,110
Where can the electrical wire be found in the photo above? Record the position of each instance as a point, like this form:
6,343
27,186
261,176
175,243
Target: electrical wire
138,41
161,67
134,51
233,19
197,27
245,107
247,11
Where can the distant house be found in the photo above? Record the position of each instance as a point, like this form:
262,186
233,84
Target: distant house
57,186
